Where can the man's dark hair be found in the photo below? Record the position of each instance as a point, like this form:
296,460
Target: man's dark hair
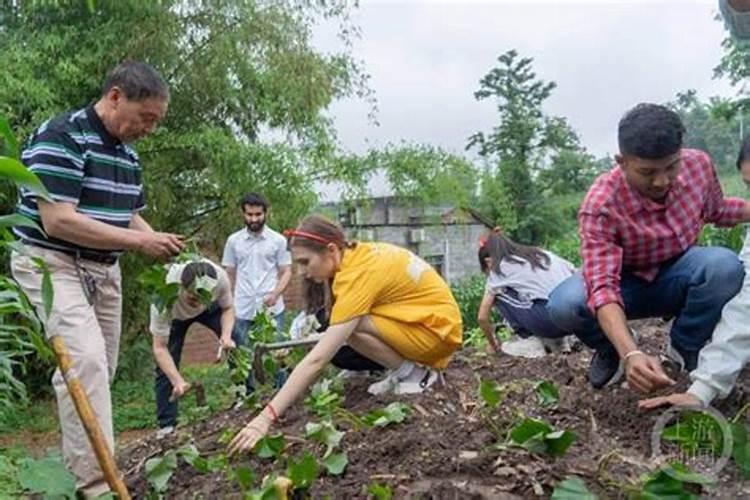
744,154
254,200
196,270
650,131
137,80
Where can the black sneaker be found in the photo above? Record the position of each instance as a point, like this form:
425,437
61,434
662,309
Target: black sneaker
685,360
605,368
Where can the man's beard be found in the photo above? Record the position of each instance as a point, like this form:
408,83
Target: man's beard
255,227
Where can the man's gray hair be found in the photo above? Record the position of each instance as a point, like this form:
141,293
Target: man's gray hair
137,80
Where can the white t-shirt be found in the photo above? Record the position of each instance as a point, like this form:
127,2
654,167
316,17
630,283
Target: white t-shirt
256,259
530,284
181,310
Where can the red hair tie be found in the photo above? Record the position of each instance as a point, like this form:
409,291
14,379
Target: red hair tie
483,239
289,233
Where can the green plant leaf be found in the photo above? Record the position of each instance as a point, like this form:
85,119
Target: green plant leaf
192,456
695,431
18,220
245,477
48,292
47,476
529,428
9,142
685,474
558,442
267,491
335,463
490,392
572,488
324,398
547,393
538,436
741,448
270,446
660,486
380,491
16,172
394,413
303,472
324,432
160,469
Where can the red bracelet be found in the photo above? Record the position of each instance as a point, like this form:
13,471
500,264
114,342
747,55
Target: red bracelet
273,413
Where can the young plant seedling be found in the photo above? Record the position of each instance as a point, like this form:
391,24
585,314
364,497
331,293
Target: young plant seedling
538,436
394,413
572,488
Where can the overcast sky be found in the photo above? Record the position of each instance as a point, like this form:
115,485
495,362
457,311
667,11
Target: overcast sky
426,58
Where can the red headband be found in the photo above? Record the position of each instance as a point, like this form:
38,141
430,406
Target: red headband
289,233
483,239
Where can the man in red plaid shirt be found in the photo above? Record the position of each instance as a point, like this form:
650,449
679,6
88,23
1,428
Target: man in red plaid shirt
639,224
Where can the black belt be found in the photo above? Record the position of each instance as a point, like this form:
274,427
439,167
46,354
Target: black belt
101,258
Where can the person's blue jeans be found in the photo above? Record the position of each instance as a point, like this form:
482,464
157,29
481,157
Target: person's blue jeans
526,322
692,288
166,410
240,337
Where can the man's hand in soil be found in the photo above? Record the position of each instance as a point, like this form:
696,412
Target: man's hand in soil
160,245
645,373
248,437
179,390
270,300
679,399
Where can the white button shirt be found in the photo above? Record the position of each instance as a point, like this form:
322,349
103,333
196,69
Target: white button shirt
256,259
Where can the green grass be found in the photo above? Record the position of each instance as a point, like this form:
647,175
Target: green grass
133,403
732,185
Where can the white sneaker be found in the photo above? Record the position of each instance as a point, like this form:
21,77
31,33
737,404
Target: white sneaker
391,379
531,347
418,381
557,345
164,432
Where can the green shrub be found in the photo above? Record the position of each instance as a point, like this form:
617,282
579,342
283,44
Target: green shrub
468,294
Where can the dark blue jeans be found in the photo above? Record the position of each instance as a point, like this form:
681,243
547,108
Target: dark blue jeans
528,321
166,411
692,288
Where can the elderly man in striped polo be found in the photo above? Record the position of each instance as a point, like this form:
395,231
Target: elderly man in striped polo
95,180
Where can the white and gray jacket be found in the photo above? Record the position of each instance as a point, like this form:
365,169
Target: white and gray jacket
723,358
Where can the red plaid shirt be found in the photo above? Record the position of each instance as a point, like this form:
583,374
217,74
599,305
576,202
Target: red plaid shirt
620,229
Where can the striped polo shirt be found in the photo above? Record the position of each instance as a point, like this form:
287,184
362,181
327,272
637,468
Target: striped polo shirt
80,162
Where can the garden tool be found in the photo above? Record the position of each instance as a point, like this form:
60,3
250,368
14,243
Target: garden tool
88,419
261,349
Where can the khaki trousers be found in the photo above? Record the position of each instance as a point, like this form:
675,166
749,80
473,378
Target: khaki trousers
92,336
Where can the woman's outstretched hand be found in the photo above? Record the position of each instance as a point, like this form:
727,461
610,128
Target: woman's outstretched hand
248,437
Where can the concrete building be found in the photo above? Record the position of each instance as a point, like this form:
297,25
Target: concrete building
447,237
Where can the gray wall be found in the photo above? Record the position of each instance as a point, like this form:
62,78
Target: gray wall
449,244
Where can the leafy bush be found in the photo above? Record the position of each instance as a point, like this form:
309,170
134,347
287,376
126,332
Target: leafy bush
468,293
729,237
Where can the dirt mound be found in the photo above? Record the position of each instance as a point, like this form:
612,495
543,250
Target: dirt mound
448,447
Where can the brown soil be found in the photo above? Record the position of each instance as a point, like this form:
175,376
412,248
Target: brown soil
446,448
40,443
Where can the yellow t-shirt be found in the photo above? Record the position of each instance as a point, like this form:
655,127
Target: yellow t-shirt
385,280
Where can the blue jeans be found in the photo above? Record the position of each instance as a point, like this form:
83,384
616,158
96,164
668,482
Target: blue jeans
239,335
528,321
166,411
692,288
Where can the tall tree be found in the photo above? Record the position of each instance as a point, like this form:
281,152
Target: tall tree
712,126
521,144
249,91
